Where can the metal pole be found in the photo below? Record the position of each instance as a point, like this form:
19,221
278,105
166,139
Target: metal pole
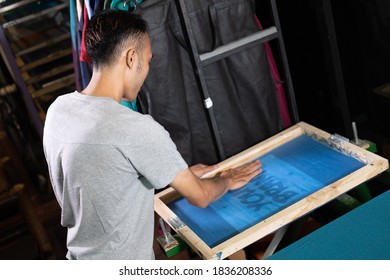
334,65
286,69
31,108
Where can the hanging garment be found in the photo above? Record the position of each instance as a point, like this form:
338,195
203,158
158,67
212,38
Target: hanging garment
125,5
79,9
83,52
130,104
283,107
241,86
99,6
84,67
89,8
75,53
107,4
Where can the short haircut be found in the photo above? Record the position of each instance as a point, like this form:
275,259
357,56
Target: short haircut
109,32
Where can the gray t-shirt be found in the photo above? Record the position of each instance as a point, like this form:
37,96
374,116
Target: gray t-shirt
105,161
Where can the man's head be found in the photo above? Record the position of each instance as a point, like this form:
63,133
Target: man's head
111,32
119,47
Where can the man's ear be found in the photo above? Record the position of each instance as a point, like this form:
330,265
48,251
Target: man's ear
130,58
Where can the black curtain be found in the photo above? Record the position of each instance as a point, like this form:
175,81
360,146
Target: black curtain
241,87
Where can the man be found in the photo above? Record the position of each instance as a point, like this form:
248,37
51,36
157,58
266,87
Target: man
105,161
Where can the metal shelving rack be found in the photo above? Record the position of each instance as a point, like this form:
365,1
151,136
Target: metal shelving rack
36,46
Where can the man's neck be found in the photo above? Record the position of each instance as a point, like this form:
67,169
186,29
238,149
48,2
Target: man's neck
105,84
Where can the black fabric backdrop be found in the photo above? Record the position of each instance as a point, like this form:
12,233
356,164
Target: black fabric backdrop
240,86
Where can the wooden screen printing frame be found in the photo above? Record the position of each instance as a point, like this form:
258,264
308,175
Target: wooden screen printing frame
374,165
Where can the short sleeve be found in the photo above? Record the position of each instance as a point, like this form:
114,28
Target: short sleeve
154,155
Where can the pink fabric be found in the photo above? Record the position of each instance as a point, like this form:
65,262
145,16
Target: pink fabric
83,52
283,107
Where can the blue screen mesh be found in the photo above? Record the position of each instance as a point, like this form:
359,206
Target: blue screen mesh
291,172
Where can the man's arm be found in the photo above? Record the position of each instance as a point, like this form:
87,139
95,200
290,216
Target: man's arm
200,192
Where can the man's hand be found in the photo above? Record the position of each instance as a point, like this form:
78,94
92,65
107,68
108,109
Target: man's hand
200,169
201,192
241,175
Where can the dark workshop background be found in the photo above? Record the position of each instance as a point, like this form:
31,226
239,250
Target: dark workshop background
339,58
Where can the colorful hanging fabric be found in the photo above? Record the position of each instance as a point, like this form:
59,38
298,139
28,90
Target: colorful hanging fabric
83,52
283,107
124,5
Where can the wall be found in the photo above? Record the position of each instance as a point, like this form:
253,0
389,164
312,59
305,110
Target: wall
362,29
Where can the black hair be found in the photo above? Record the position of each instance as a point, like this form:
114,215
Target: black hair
109,32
